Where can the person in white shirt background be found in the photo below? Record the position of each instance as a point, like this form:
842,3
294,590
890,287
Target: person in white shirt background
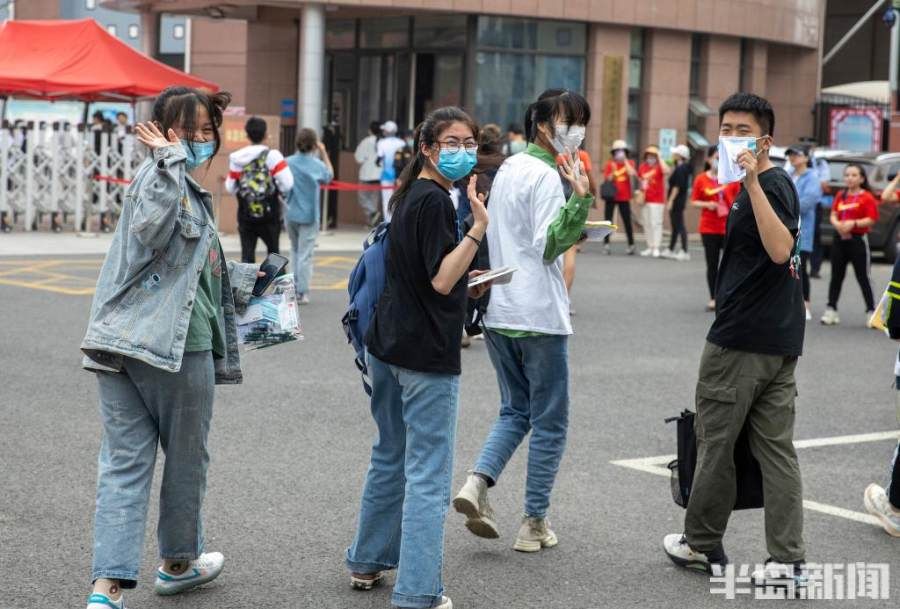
267,228
387,148
369,172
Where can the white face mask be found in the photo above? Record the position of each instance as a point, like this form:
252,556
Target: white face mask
568,138
619,155
729,149
651,160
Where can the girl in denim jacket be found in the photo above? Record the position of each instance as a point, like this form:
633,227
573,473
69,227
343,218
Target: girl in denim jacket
160,336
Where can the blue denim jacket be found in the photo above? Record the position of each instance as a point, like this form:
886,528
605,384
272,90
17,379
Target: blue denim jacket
145,292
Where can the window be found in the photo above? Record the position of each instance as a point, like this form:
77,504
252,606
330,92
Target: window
340,34
392,32
696,55
506,83
635,88
90,4
744,75
111,28
532,35
178,31
440,31
517,59
697,109
133,31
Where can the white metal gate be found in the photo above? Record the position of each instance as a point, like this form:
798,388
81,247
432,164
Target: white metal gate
71,177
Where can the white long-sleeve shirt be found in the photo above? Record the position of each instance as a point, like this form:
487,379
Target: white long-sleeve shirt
367,156
237,160
526,197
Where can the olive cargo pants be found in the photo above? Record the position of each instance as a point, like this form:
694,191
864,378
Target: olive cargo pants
734,387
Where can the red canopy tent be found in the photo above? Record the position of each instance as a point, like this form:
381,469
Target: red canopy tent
79,60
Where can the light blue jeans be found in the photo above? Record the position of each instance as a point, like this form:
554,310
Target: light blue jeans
141,407
407,489
533,374
303,242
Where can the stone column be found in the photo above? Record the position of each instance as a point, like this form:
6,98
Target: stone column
311,62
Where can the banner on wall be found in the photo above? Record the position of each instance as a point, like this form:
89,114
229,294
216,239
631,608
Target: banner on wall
857,129
667,140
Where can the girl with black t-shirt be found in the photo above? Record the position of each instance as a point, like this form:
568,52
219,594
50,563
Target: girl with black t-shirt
853,214
413,360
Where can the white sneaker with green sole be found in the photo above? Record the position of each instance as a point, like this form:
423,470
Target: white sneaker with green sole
200,571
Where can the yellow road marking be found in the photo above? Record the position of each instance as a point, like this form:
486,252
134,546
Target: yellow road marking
51,276
48,288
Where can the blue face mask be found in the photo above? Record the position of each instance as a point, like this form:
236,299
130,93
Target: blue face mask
198,153
456,165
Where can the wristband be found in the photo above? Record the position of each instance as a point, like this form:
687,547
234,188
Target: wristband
474,239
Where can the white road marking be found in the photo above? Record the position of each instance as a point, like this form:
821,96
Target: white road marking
658,466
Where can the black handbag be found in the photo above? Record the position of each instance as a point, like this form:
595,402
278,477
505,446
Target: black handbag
748,476
608,190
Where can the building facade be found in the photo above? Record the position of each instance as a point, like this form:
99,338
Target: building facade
644,65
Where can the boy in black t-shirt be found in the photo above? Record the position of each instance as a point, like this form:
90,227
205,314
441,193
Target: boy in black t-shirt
747,368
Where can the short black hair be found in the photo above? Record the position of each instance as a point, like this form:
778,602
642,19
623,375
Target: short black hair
556,104
759,107
515,128
256,129
375,127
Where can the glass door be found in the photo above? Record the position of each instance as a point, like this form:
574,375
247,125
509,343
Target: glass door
382,91
439,81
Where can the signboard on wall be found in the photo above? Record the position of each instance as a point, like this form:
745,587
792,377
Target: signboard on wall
857,129
611,121
667,139
234,136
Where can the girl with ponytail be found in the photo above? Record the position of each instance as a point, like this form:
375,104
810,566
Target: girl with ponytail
527,320
413,358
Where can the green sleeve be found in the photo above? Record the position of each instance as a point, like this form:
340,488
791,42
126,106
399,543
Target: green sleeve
566,228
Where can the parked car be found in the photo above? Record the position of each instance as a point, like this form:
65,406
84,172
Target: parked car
881,169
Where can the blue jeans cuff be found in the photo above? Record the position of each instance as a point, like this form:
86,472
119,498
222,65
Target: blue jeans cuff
415,602
124,577
484,470
367,567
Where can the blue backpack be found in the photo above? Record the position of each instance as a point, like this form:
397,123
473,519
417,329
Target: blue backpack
365,286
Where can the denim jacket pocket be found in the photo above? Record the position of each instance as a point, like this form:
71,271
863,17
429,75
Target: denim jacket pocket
182,244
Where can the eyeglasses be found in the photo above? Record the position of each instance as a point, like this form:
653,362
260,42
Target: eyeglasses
454,146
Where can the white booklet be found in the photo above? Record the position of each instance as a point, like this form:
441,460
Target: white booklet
597,231
498,276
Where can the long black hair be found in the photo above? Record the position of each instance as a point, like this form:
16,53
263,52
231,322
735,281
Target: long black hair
555,104
178,106
427,132
709,152
865,178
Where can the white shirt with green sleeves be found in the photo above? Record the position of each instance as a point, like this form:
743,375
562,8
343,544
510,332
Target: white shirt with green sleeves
531,226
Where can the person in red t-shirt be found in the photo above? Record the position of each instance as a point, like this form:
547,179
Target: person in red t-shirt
619,170
652,174
853,213
714,201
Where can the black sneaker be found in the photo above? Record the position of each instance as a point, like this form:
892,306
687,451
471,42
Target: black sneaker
683,555
774,574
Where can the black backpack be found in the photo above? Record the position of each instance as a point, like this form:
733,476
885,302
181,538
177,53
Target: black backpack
256,193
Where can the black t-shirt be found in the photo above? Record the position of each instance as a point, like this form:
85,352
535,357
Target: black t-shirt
759,304
414,326
681,177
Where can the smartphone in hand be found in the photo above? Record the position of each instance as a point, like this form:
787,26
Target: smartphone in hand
272,267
